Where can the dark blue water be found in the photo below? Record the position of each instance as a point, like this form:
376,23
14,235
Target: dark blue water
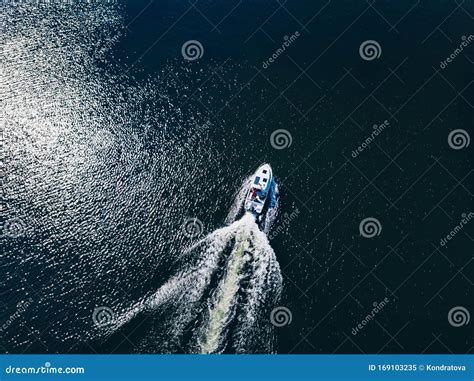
115,141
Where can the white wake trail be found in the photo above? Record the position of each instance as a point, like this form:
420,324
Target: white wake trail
251,248
221,297
219,314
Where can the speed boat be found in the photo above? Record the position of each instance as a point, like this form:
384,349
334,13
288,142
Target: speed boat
262,194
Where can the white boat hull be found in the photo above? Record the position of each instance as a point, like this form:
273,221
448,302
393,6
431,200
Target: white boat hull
259,190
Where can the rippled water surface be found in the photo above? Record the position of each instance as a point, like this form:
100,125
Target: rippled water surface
102,172
125,167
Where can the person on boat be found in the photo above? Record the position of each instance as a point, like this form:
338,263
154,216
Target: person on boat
254,192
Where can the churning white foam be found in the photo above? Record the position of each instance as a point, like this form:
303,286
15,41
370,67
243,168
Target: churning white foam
232,310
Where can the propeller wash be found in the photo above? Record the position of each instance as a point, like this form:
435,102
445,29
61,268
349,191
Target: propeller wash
221,298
